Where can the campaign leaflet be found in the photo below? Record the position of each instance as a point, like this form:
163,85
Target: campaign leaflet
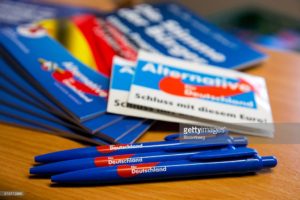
121,79
173,30
33,96
198,90
79,90
16,12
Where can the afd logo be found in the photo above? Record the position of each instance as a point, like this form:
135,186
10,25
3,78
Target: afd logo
188,84
70,76
31,30
128,171
106,149
105,161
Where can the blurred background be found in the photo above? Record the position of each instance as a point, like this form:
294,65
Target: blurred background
275,24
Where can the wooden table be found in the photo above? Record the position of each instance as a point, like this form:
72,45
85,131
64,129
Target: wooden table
19,146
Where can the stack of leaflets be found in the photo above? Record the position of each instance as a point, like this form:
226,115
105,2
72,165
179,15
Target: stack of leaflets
65,90
44,87
103,78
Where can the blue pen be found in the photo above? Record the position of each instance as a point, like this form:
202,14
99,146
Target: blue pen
109,150
105,161
237,161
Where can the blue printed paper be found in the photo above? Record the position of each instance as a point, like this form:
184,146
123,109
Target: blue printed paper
173,30
213,95
79,90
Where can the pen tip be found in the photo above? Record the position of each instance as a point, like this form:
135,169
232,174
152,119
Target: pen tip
55,179
269,161
32,170
38,159
36,170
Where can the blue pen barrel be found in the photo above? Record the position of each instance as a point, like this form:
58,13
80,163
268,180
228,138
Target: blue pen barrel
165,170
109,150
105,150
63,166
67,155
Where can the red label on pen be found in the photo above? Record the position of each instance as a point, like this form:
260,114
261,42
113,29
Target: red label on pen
114,160
112,148
127,171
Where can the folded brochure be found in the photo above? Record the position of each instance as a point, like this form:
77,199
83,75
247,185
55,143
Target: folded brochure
173,30
212,94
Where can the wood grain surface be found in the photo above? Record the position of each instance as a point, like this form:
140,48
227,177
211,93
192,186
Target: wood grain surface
282,70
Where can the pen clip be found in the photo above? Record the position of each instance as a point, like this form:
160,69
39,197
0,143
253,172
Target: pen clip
219,141
242,152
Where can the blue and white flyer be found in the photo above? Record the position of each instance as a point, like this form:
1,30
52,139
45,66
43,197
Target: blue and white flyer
173,30
210,93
